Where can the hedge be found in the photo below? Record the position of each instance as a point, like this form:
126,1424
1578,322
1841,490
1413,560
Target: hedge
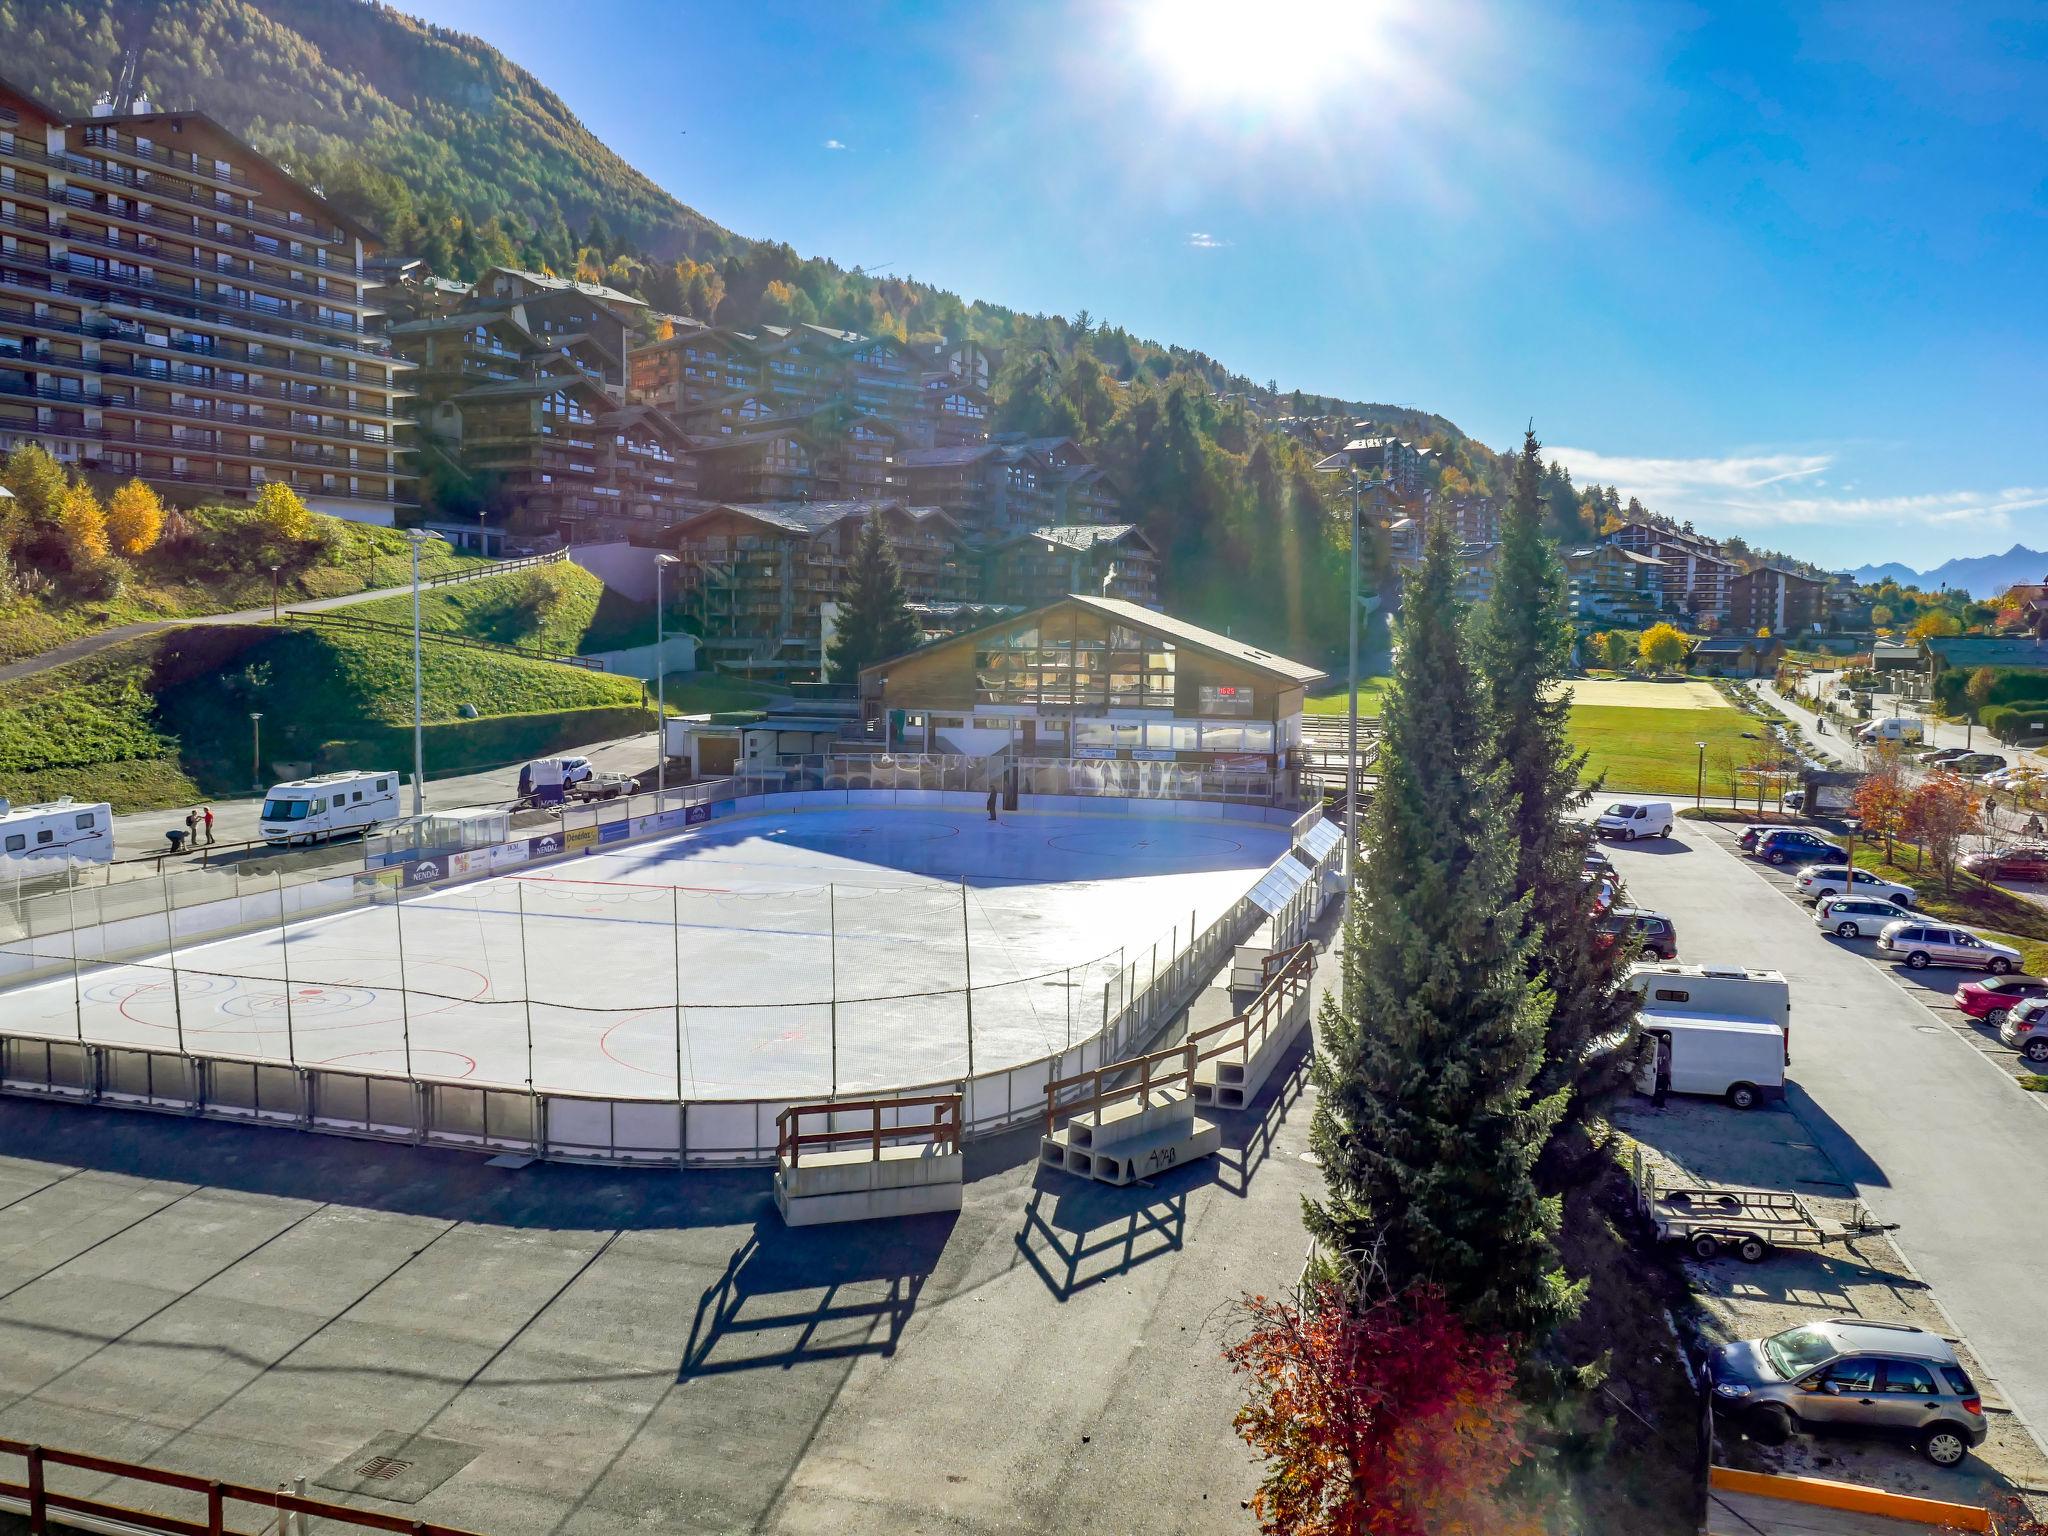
2012,725
2009,685
495,741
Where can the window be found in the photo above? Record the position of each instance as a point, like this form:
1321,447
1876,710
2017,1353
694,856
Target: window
1226,699
1668,994
83,822
44,835
1908,1376
1852,1375
16,841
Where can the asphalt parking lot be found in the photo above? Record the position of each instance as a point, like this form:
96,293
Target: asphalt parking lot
1911,1112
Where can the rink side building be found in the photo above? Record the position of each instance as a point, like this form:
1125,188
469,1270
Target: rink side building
1092,677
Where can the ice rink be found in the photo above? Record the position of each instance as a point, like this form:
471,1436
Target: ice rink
787,953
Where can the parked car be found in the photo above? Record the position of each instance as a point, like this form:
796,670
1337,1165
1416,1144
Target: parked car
1935,756
1658,933
1922,944
1976,765
1856,917
1816,882
1594,861
2025,1029
576,769
2009,864
1631,819
1750,834
1992,1000
1886,1378
1795,845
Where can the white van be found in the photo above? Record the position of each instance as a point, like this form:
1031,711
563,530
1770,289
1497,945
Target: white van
1740,1060
1631,819
53,834
1892,728
309,810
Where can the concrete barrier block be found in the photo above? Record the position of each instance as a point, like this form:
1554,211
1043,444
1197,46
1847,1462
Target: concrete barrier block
803,1206
1100,1129
853,1169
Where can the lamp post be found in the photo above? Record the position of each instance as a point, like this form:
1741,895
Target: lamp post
661,563
1699,789
255,749
416,537
273,594
1358,484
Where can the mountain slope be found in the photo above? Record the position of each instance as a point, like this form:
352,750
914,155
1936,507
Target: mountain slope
1978,575
348,92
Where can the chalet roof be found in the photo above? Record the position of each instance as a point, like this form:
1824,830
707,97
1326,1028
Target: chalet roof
1729,645
628,416
461,320
1635,555
1987,651
569,285
814,517
936,458
1179,631
1083,536
516,389
1887,650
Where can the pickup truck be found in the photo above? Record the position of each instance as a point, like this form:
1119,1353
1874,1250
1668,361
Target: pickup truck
600,786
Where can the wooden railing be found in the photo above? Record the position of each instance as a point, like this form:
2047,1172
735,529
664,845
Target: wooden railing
35,1496
1283,979
942,1130
1180,1058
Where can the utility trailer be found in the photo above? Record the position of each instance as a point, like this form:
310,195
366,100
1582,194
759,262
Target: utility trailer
1751,1222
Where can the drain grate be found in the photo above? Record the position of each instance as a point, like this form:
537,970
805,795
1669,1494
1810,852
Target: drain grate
382,1468
398,1467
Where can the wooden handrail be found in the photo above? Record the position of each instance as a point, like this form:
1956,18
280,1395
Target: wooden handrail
218,1494
943,1129
1283,977
1183,1054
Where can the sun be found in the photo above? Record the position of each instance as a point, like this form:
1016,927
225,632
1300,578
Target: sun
1281,57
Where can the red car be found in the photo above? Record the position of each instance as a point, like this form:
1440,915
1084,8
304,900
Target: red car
1991,999
2009,864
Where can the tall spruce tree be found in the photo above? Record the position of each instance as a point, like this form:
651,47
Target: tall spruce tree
1426,1128
1524,646
874,618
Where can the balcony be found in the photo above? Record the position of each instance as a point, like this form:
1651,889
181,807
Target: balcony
146,184
263,426
197,229
108,141
212,445
154,255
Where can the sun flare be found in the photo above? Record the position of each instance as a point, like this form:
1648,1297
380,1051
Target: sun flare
1281,56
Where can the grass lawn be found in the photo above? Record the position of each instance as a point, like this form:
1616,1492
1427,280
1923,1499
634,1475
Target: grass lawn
711,693
1370,690
561,609
1653,749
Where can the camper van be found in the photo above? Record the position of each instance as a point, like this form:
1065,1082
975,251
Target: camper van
312,810
54,835
1716,991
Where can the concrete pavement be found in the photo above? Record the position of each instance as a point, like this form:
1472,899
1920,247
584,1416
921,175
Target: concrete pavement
1935,1136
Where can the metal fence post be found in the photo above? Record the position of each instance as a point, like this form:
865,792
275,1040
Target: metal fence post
525,981
404,1006
77,988
284,961
832,938
171,948
967,967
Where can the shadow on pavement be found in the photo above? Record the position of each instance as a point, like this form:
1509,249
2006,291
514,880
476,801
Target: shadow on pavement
1847,1154
1078,1232
791,1295
1248,1134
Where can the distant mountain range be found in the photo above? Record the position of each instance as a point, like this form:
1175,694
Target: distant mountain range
1980,576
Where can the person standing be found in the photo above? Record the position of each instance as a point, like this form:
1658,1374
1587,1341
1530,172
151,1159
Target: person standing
192,827
991,803
206,815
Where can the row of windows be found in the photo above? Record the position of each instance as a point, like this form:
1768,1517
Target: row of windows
18,841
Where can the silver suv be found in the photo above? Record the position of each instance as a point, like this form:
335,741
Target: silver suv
1885,1378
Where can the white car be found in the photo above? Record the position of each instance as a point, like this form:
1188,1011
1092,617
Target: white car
1817,882
576,769
1856,917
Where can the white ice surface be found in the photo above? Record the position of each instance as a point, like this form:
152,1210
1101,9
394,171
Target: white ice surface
706,962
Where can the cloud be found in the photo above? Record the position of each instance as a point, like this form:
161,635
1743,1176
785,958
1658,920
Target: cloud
1748,491
1200,241
833,144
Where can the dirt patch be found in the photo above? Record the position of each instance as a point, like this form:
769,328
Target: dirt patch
1678,693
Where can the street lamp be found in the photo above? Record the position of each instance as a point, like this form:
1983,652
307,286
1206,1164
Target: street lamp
416,537
661,563
255,749
1358,483
273,594
1699,790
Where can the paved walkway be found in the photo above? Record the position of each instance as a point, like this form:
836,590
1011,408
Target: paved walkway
87,645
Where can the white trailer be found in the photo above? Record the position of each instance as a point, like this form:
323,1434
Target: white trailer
49,837
312,810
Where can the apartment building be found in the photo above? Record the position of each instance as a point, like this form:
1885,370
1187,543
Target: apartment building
1614,585
1004,488
1044,565
1771,598
1696,576
174,305
1379,454
755,576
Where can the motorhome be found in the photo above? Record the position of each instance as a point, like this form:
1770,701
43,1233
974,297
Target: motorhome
34,838
312,810
1715,1029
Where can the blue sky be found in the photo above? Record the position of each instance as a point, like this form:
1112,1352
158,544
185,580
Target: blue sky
1782,270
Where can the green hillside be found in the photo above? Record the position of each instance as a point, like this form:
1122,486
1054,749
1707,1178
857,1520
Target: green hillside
163,719
562,609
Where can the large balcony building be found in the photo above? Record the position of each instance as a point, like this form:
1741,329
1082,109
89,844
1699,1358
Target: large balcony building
174,305
1046,564
1784,602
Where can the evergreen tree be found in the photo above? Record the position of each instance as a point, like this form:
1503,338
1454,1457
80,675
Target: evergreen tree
874,619
1426,1128
1525,646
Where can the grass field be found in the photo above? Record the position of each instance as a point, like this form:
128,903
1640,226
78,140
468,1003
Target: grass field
561,609
1370,691
1653,749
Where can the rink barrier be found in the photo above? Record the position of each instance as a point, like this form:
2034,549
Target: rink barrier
573,1127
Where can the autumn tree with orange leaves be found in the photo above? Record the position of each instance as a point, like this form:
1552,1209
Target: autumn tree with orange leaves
1386,1419
1880,801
